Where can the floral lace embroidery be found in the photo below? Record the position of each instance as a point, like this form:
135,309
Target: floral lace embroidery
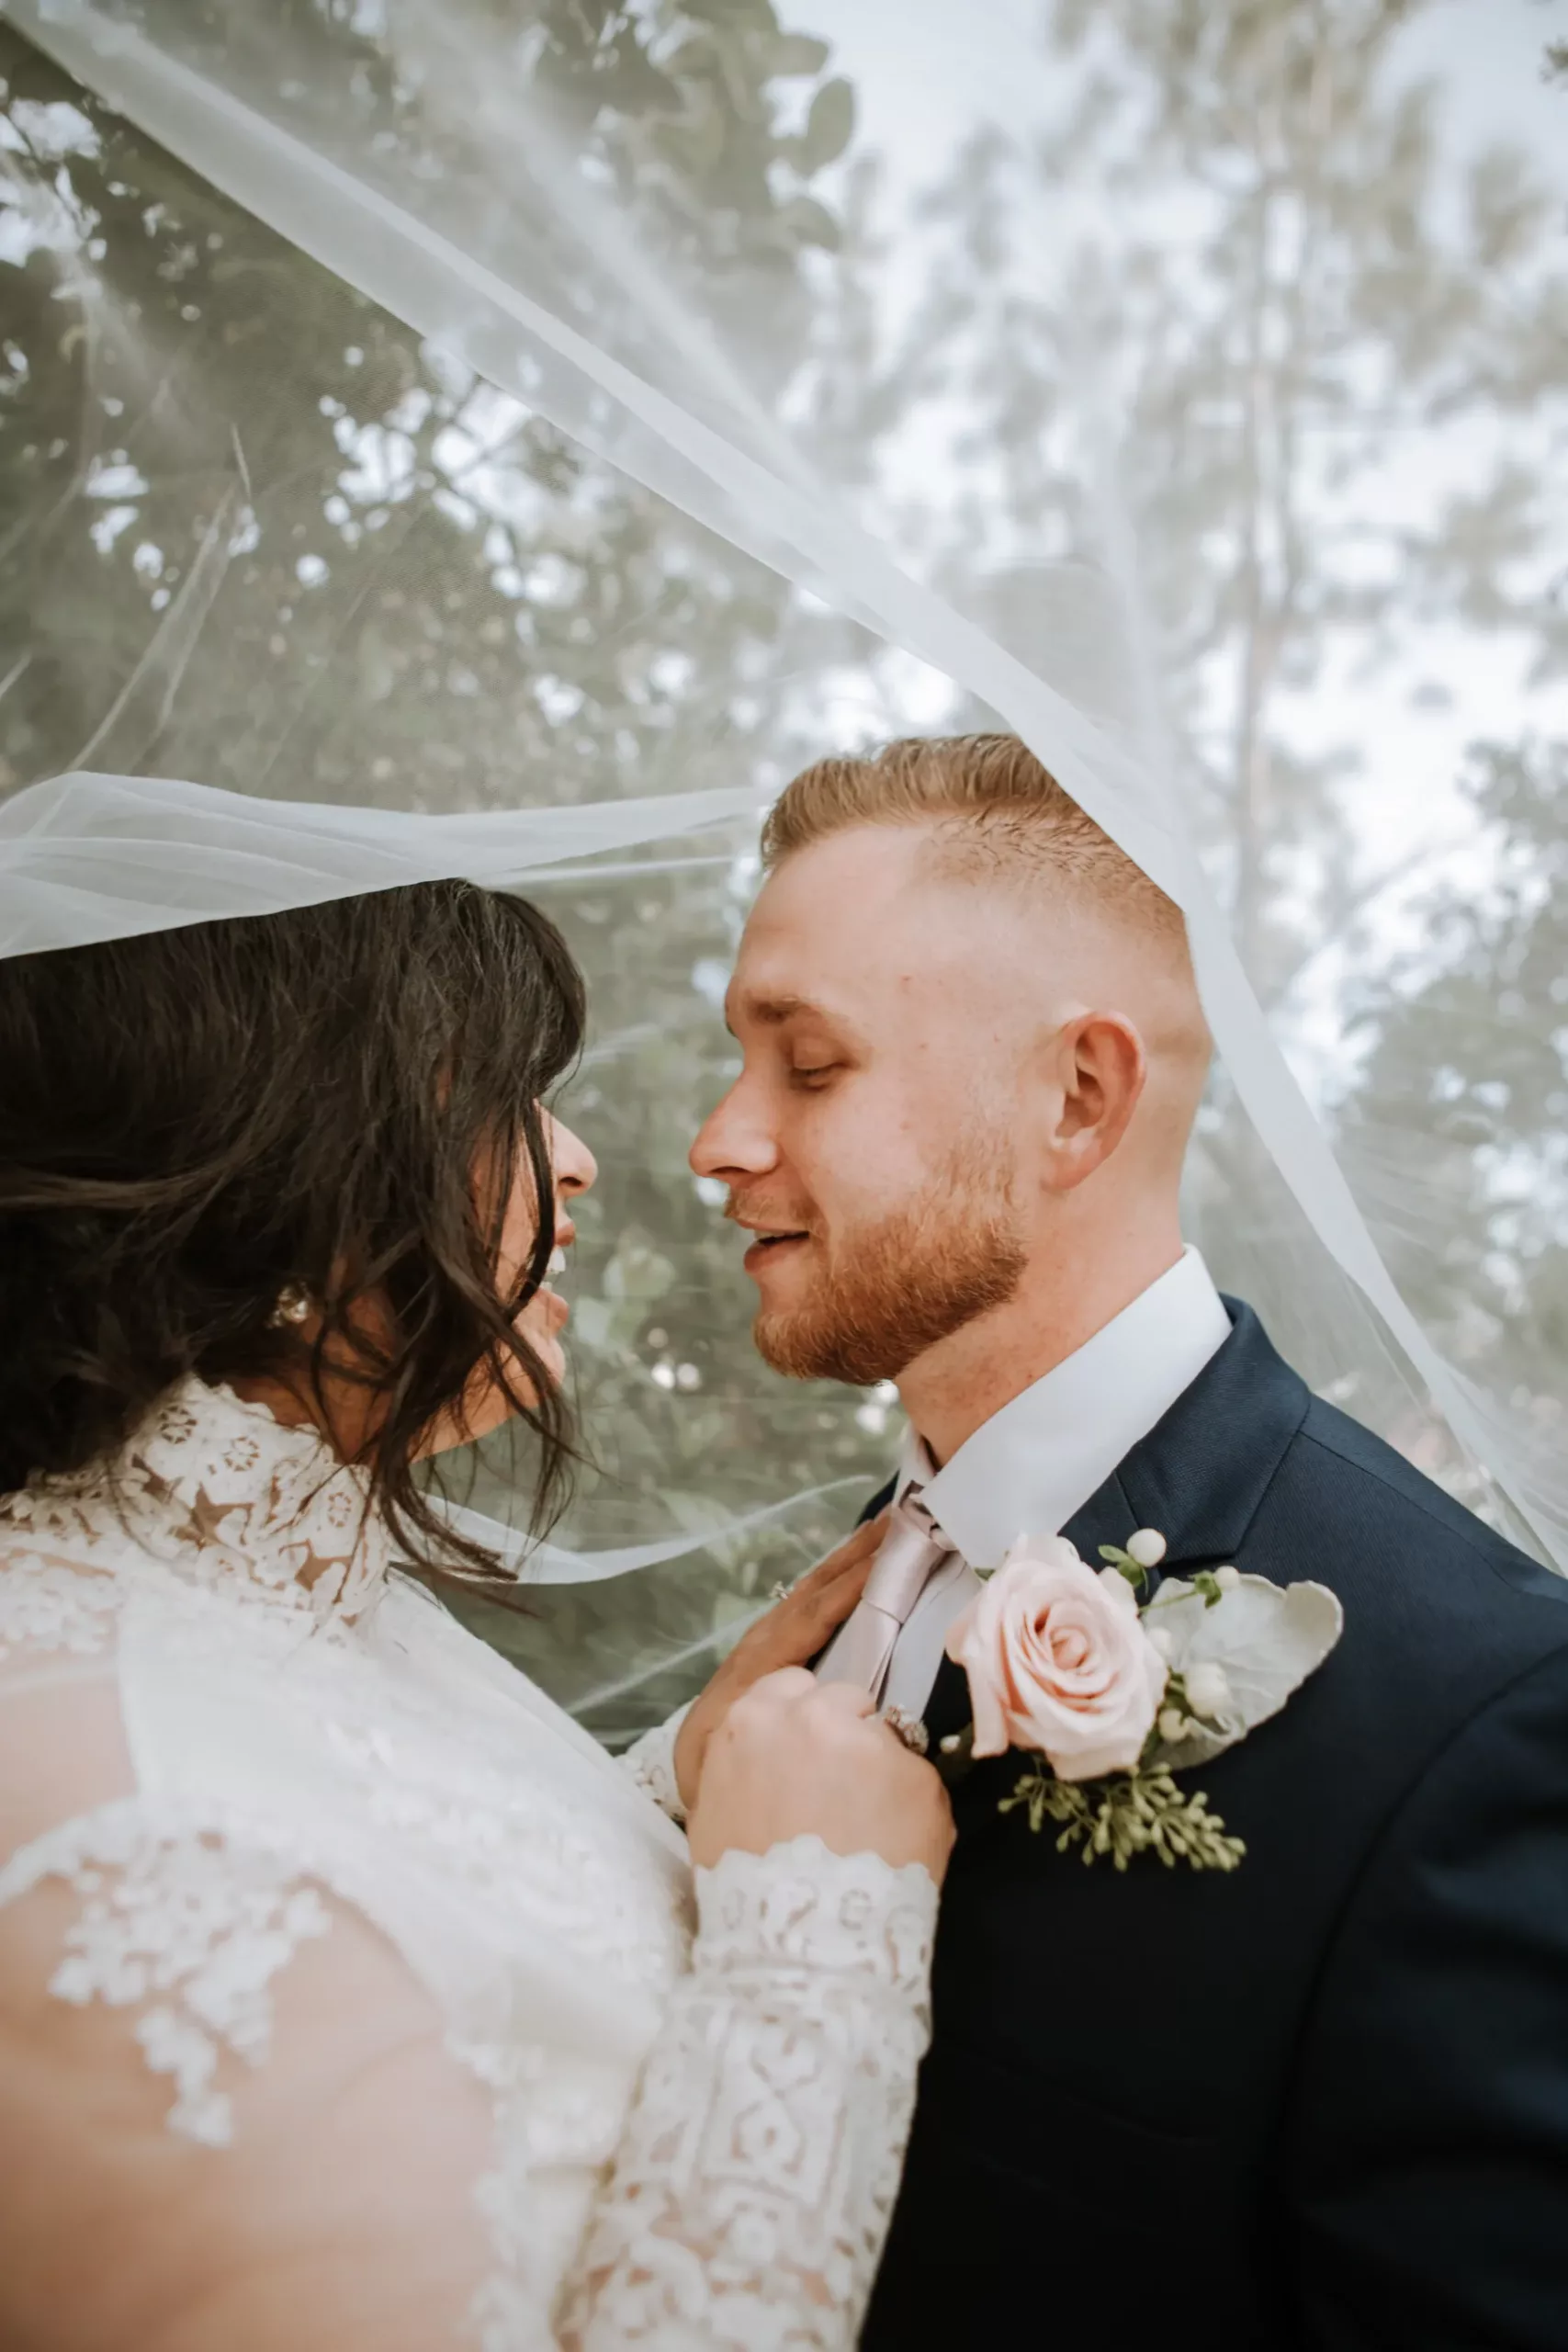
46,1606
185,1914
650,1761
755,2183
801,1907
223,1492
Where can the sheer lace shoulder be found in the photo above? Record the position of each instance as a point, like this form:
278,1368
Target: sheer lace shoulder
176,1997
185,1922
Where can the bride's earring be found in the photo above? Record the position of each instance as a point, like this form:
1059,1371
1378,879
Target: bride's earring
293,1306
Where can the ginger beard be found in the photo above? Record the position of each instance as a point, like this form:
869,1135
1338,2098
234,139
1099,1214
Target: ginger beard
889,1289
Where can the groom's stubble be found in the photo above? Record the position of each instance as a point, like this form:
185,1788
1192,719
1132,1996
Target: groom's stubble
891,1288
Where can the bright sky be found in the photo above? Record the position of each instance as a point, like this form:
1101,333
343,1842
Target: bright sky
923,70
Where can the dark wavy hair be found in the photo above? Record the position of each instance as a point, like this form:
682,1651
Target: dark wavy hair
339,1099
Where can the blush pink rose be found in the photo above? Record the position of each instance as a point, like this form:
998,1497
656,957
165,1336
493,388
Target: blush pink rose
1058,1661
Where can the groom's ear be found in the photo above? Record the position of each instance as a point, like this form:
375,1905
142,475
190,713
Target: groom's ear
1099,1068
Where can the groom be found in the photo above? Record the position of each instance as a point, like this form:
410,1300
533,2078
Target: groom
1322,2101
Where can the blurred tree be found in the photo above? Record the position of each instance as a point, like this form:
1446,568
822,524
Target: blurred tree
1465,1061
1242,248
1457,1125
237,425
257,532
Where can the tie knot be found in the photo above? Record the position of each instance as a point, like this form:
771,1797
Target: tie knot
909,1551
910,1510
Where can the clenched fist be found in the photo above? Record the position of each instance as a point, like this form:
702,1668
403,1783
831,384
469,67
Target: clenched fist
795,1758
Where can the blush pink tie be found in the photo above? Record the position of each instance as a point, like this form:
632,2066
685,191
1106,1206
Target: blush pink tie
911,1548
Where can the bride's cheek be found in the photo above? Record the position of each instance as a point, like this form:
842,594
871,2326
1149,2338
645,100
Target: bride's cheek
540,1337
490,1403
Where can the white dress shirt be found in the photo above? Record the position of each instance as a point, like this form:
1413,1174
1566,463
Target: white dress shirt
1036,1462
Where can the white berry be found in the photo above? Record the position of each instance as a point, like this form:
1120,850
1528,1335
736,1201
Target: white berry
1207,1690
1227,1578
1147,1547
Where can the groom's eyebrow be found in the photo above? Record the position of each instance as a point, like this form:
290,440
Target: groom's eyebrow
772,1011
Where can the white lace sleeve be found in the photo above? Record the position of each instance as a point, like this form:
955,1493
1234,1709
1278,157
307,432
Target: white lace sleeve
650,1761
229,2007
747,2204
755,2181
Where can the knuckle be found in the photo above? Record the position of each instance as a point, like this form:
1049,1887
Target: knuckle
753,1706
774,1689
791,1681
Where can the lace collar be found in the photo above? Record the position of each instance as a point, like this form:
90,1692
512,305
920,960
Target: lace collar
220,1490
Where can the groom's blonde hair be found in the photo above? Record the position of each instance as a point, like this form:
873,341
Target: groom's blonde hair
998,813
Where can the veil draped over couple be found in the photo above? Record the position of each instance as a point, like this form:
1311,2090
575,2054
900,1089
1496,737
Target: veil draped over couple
351,1996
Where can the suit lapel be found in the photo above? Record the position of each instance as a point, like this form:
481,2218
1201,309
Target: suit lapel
1108,1516
1197,1476
1204,1468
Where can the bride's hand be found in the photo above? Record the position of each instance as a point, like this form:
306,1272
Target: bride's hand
790,1634
796,1758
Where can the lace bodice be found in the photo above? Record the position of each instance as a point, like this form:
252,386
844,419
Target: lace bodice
291,1863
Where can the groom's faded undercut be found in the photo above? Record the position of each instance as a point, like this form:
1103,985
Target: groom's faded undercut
998,813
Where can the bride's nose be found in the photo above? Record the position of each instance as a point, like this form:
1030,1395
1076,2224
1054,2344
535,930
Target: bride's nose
574,1165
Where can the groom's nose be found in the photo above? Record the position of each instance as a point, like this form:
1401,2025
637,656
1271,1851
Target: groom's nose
734,1142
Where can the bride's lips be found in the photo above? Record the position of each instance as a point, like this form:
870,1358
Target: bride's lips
558,1313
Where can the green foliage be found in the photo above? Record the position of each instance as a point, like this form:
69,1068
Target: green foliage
1135,1813
1124,1566
829,127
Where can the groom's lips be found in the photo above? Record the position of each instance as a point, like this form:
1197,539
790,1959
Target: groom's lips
771,1243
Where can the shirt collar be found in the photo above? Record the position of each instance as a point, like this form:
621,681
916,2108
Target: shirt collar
1038,1460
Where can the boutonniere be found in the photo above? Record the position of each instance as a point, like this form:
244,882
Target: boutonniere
1109,1696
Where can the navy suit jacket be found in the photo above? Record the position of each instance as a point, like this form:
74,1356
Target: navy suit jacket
1322,2101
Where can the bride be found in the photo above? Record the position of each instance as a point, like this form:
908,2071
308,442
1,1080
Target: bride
350,1995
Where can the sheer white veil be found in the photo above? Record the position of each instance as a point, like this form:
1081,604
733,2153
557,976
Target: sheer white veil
86,857
817,458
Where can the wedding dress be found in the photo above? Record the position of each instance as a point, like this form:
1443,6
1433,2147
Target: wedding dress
261,1795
